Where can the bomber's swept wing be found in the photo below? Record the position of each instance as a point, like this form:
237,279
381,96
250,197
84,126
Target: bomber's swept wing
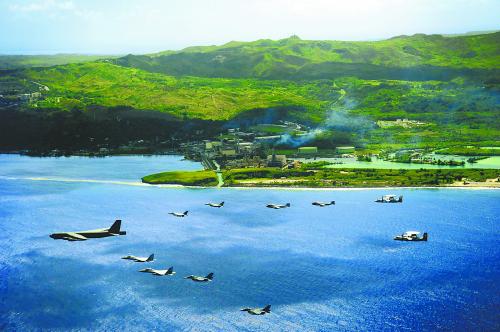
71,236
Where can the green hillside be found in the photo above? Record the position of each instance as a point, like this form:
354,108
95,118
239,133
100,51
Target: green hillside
27,61
417,57
343,89
105,84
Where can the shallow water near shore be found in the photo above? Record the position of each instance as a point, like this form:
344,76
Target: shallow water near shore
332,268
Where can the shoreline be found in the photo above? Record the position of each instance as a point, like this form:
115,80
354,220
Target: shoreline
179,186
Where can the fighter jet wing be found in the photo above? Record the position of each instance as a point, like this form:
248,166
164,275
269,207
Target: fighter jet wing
71,236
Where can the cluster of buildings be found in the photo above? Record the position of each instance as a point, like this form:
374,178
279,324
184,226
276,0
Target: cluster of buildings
239,149
14,92
404,123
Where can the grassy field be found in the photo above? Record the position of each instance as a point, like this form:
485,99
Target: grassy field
193,178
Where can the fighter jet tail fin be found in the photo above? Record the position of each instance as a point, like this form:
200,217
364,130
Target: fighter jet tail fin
150,258
170,270
425,237
115,228
185,213
400,200
287,204
267,308
222,203
210,276
332,202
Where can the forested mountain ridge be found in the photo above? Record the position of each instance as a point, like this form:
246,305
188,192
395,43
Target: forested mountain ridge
417,57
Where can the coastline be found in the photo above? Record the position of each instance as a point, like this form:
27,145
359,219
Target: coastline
179,186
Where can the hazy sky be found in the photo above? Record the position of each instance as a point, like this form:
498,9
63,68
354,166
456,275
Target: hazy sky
133,26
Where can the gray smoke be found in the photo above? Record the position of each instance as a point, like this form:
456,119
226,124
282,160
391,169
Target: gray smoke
339,118
299,140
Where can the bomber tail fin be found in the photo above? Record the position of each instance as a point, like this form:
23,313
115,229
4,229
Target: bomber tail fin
210,276
267,308
115,228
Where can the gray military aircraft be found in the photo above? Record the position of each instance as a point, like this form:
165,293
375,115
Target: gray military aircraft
114,230
258,311
278,206
216,205
168,272
140,259
209,277
179,214
323,204
411,236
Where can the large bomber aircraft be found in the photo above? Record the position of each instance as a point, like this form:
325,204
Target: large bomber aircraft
114,230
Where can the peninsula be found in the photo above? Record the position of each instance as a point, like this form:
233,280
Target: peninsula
317,176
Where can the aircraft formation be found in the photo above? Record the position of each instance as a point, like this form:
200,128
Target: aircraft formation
114,230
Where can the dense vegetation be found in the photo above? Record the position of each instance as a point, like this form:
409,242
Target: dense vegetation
471,151
194,178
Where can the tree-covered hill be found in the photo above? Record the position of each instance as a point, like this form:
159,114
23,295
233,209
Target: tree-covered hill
417,57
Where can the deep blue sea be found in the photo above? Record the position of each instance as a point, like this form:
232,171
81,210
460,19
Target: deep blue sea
322,269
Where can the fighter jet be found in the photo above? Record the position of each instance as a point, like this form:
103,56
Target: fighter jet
140,259
168,272
114,230
323,204
179,214
216,205
209,277
278,206
258,311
